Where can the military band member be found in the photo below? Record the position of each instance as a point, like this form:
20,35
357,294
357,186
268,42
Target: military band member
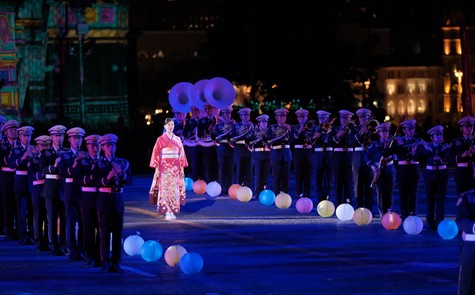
225,149
361,139
380,160
53,190
342,153
300,136
241,135
281,155
464,149
179,119
438,154
10,218
18,161
111,175
36,179
323,149
408,151
67,164
88,200
190,143
466,225
2,138
260,155
207,144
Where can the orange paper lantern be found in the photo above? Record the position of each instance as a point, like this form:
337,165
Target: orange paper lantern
283,201
232,190
391,221
362,216
199,187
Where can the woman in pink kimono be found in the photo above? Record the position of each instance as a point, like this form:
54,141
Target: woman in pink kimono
168,159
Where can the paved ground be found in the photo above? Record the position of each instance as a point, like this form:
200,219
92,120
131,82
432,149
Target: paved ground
249,248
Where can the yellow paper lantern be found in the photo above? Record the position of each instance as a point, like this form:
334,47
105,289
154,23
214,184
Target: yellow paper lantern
283,201
325,208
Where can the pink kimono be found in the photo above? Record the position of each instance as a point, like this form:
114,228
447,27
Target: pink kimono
168,159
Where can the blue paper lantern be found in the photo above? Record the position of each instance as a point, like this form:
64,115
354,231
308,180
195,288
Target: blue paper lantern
267,197
191,263
151,251
188,184
447,229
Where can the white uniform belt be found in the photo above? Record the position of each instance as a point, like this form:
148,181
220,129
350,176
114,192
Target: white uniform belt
8,169
223,141
387,164
170,156
21,172
108,190
69,180
323,149
282,146
407,162
38,182
241,142
442,167
342,149
462,164
52,176
359,149
261,149
88,189
302,146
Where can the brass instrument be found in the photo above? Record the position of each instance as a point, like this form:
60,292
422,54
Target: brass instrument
192,140
227,127
281,132
242,131
326,127
308,125
259,137
371,125
33,152
349,125
206,138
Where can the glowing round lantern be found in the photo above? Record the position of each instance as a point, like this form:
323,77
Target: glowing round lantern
151,251
191,263
232,190
199,187
304,205
213,189
188,184
132,245
362,216
447,229
412,225
173,254
345,212
325,208
283,201
244,194
391,220
267,197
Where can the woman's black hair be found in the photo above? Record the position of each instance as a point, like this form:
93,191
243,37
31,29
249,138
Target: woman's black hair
167,120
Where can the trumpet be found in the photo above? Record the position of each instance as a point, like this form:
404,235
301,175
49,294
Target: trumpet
326,127
308,125
371,125
349,125
227,127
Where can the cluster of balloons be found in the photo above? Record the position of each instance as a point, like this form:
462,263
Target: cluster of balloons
199,187
218,92
151,251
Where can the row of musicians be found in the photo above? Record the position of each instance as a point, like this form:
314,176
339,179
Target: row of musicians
45,183
335,151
